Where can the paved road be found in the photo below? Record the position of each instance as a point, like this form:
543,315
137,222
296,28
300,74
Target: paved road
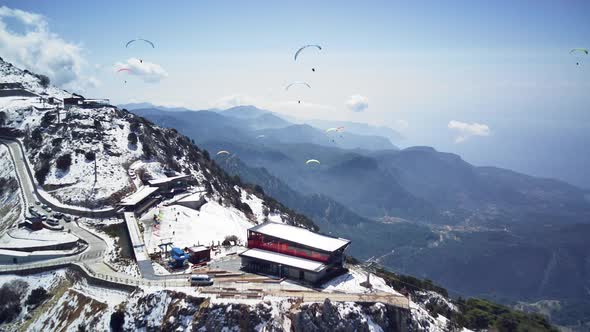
96,246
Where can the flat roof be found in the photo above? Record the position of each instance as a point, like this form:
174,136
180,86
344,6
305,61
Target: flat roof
275,257
301,236
134,233
166,180
192,197
138,196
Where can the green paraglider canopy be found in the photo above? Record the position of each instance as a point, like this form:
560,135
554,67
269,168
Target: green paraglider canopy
579,50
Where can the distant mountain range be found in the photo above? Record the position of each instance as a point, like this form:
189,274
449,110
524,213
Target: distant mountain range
439,214
274,127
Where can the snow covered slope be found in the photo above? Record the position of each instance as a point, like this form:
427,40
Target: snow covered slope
10,199
82,156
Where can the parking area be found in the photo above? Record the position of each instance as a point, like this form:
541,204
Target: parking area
228,263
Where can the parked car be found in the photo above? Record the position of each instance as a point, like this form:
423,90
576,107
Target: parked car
37,203
200,280
52,222
67,218
31,209
43,217
48,209
58,215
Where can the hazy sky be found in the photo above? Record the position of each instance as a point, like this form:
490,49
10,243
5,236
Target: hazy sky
490,80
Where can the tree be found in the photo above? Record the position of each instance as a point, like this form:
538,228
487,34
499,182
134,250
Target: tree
147,151
117,321
11,294
258,189
43,80
2,118
229,240
41,173
90,155
64,162
37,296
37,136
132,138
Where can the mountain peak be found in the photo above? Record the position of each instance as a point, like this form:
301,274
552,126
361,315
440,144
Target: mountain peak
244,112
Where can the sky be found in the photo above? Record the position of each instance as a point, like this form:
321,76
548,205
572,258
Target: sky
490,80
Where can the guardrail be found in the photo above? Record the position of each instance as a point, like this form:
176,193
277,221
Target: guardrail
102,279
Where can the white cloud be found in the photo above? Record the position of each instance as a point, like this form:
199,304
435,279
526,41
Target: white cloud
39,50
357,103
147,71
466,130
401,125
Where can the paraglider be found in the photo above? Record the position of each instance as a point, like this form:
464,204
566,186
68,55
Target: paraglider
334,130
576,50
312,161
297,83
579,51
338,129
139,40
125,70
303,48
222,152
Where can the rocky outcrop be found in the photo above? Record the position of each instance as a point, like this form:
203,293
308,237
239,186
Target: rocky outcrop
345,317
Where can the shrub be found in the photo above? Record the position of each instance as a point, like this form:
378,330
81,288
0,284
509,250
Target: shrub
90,155
135,125
132,138
37,296
64,162
229,240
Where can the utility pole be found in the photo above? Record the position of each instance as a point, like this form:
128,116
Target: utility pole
95,168
370,264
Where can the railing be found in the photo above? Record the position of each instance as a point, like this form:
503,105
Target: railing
285,248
